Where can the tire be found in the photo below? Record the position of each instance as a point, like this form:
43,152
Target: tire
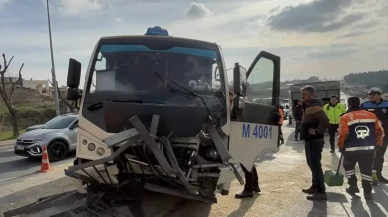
57,151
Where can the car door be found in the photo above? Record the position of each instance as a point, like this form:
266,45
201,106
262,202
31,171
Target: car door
256,131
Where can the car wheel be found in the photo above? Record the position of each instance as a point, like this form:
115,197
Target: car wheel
57,151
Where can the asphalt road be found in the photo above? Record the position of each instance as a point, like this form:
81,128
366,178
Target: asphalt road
14,167
282,175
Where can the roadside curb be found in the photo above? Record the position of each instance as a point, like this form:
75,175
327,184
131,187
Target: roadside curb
7,142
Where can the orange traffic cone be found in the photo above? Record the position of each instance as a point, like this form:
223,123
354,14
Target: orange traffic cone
45,166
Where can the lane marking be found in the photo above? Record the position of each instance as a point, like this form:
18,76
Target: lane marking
7,179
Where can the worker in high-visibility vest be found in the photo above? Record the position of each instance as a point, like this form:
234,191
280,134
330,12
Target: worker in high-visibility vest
281,119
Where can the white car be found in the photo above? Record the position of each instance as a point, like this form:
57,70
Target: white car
287,113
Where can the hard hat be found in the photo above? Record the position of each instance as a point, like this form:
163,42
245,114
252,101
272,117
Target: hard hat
375,90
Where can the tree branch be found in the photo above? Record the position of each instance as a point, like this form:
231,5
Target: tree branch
3,91
13,83
71,107
6,65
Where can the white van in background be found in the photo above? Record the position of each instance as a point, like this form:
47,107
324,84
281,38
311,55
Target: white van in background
287,112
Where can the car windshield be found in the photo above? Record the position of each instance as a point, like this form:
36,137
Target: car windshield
52,120
128,72
60,122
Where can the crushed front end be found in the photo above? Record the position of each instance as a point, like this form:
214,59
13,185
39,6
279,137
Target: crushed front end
143,159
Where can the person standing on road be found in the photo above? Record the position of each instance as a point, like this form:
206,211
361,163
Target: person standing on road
251,183
251,178
361,131
298,115
281,119
333,110
379,107
314,124
231,98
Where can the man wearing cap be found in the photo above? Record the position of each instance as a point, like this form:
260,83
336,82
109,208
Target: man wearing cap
379,107
333,110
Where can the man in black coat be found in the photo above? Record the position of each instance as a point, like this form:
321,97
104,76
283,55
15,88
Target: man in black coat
298,115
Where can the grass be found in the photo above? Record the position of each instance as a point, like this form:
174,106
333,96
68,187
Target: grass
8,135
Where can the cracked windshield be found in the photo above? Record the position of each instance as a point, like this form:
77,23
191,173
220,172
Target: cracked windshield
143,73
194,108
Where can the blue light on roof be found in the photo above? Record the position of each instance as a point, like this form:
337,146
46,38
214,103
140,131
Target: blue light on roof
157,30
142,48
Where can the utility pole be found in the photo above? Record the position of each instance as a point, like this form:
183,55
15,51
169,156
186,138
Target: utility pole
55,84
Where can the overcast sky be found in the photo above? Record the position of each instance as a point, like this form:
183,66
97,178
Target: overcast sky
327,38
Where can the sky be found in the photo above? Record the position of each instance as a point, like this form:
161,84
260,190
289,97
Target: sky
325,38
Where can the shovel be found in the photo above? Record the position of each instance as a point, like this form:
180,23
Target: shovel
334,179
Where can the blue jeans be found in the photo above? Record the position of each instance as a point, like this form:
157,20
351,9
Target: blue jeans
313,149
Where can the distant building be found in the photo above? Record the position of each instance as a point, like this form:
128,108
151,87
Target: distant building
41,86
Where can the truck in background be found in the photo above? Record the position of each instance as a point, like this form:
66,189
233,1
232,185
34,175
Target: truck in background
323,91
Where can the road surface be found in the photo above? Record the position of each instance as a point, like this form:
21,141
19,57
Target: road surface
14,168
281,177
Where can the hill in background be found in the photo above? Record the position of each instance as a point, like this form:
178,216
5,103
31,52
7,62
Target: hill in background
33,108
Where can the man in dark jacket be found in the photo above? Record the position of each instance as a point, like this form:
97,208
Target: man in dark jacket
313,126
298,115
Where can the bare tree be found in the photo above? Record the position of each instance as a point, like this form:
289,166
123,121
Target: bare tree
2,118
70,106
7,89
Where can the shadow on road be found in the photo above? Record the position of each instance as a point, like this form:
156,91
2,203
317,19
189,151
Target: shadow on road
375,210
189,208
24,164
319,209
266,157
244,207
153,204
30,195
380,196
297,146
18,165
336,197
357,208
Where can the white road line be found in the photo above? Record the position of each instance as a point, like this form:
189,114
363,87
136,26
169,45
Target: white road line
9,150
3,180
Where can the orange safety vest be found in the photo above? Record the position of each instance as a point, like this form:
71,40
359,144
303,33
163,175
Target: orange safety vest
281,116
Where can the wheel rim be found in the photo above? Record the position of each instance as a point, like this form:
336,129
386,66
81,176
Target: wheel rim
58,151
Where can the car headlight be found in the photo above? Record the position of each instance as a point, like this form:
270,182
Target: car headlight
38,139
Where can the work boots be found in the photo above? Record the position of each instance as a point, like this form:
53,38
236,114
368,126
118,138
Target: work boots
314,195
244,194
310,190
352,190
381,178
317,196
257,189
368,196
